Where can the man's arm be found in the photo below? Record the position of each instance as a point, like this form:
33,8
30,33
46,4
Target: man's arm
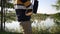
35,6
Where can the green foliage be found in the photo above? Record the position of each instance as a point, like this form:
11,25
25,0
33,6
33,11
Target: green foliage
7,5
52,30
56,16
10,16
55,29
39,16
57,5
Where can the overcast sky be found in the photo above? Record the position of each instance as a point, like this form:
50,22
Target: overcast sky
45,6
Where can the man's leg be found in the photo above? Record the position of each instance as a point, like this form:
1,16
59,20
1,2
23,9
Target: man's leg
27,27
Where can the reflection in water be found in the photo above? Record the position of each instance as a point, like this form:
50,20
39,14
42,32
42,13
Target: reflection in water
15,27
44,23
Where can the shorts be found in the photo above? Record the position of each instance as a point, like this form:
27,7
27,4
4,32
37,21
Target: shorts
21,15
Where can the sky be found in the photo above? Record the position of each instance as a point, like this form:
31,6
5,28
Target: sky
45,6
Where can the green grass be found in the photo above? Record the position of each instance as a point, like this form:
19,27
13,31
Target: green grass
9,33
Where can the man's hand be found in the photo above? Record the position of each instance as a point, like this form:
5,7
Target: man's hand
29,13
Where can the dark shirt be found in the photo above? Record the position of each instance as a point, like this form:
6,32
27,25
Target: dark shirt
21,15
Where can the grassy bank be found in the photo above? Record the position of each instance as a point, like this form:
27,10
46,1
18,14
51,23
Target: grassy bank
9,33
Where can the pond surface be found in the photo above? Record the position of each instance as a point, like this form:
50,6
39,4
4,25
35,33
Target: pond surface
15,27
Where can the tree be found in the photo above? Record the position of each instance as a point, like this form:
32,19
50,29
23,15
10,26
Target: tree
4,4
57,5
8,5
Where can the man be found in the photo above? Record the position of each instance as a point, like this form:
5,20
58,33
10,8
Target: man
24,10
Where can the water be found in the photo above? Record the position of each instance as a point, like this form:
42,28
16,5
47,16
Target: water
15,27
49,22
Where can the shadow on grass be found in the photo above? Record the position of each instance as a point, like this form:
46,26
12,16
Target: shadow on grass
9,33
